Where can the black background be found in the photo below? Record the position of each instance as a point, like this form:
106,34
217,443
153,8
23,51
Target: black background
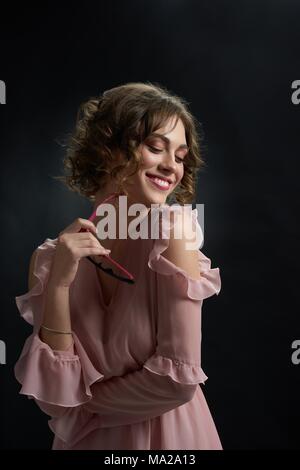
234,62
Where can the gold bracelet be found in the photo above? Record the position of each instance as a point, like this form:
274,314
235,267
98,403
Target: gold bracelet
57,331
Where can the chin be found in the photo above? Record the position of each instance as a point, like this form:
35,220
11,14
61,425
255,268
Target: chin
144,194
154,197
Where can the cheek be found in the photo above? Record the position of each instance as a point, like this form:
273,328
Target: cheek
180,173
148,160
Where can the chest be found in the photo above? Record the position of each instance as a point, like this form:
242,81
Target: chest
107,285
120,337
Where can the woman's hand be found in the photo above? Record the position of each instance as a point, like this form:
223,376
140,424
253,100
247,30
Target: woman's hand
73,245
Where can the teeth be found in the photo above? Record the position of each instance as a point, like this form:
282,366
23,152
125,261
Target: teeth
161,182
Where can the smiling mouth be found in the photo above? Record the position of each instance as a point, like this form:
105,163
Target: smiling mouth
159,183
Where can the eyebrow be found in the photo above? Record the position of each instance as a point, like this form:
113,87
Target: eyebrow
166,140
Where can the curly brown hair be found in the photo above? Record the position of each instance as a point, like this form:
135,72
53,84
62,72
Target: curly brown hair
116,123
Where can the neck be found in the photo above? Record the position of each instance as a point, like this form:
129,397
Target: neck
100,196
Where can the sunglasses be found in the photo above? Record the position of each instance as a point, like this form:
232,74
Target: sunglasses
125,276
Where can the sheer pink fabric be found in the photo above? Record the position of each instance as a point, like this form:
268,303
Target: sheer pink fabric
131,378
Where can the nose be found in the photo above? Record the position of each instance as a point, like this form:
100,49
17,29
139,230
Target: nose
168,163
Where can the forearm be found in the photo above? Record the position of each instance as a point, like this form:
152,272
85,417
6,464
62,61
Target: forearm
56,315
136,396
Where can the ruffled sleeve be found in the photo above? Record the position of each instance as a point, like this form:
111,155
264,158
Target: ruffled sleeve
210,282
55,379
179,305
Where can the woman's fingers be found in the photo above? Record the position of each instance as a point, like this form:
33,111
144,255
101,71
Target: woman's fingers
79,224
83,240
93,251
91,244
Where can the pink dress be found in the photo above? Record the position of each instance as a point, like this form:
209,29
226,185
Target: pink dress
131,378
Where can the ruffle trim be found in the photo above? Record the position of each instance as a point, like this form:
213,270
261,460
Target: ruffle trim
55,377
37,367
179,371
43,260
197,289
77,423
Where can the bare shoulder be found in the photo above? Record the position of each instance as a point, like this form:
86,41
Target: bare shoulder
32,280
177,251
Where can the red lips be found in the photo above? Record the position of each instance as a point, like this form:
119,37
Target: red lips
160,177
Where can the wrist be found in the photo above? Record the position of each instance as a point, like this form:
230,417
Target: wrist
55,285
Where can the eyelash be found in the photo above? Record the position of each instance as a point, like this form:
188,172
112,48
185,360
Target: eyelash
155,150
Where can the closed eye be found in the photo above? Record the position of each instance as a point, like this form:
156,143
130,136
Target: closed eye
155,150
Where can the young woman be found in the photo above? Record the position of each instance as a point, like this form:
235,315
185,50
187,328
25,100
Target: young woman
116,365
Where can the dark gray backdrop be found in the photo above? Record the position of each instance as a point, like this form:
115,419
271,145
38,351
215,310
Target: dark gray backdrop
235,63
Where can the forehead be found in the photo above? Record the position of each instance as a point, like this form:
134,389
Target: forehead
172,127
170,133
